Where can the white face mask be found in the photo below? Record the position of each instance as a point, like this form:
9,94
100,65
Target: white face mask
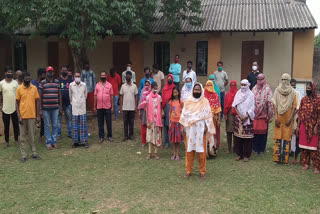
254,68
77,79
128,68
243,88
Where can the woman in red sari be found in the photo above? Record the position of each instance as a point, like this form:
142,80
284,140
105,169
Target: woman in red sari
308,121
215,106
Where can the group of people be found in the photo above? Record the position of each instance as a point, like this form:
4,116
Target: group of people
192,115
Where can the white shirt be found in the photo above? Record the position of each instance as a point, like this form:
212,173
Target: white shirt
124,74
191,74
78,97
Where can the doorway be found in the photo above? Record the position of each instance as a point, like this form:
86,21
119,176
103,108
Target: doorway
120,56
252,51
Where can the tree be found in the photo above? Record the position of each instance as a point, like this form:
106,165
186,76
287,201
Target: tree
84,22
317,41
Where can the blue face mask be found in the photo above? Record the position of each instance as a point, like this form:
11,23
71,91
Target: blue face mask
189,84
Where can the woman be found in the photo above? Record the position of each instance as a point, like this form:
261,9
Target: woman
229,113
263,114
309,120
166,96
215,106
284,104
142,111
216,87
243,105
196,118
186,91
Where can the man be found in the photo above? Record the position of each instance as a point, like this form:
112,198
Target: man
8,88
158,77
19,77
64,82
41,74
175,70
189,73
197,121
143,81
103,104
27,99
51,103
128,105
89,78
115,80
295,150
125,73
78,95
222,82
252,77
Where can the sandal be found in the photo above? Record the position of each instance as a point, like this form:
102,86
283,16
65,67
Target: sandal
156,156
203,177
187,175
238,158
173,157
306,167
177,158
316,171
148,157
245,159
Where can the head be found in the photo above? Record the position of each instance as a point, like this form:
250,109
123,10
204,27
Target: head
86,66
19,75
245,85
309,89
188,82
8,72
220,65
154,87
285,79
146,72
41,74
170,79
112,72
197,91
293,83
175,94
70,74
255,66
103,76
261,80
129,65
189,65
26,79
147,84
128,76
212,78
233,85
77,77
176,58
155,68
209,84
64,71
50,72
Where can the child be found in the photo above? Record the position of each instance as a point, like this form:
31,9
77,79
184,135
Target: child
154,121
175,129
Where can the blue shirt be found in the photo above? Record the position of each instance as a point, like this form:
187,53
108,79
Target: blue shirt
35,83
89,78
64,88
175,70
142,82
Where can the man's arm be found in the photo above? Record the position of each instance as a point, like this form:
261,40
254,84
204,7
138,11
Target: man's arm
18,112
226,82
112,104
40,100
60,102
136,105
38,110
95,103
121,102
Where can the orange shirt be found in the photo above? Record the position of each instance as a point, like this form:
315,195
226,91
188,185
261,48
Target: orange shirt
27,97
176,109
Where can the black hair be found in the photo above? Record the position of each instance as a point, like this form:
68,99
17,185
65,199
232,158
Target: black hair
146,69
25,74
112,70
129,63
128,73
155,66
78,72
64,66
147,81
41,71
293,81
179,95
188,78
189,62
310,84
7,68
154,84
177,55
219,62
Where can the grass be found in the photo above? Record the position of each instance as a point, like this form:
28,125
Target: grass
114,178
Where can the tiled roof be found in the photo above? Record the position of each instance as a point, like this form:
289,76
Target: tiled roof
247,15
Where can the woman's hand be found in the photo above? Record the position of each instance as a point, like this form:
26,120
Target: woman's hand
315,131
277,122
288,122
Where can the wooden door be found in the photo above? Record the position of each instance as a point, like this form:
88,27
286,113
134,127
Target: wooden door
252,51
120,56
53,57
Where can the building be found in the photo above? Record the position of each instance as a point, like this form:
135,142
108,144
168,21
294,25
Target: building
278,34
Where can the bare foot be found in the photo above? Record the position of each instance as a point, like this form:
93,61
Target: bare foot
306,167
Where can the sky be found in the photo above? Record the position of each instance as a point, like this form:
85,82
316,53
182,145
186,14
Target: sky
314,6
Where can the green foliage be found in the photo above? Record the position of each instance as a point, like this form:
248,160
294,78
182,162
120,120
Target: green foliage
317,41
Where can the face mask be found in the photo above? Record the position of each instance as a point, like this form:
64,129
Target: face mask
219,68
20,78
77,79
128,68
254,68
49,75
309,92
197,95
154,91
189,67
170,82
176,60
243,88
147,75
103,79
189,84
26,83
64,74
128,79
9,76
112,74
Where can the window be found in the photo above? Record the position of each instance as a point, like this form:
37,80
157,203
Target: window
202,59
162,56
20,56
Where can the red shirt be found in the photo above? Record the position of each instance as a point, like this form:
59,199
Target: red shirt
115,82
103,93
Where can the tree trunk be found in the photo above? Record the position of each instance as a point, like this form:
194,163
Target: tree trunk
80,58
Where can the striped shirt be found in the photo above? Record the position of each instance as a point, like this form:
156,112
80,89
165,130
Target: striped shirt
50,94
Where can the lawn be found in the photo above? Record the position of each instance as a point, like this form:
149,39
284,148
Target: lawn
115,178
